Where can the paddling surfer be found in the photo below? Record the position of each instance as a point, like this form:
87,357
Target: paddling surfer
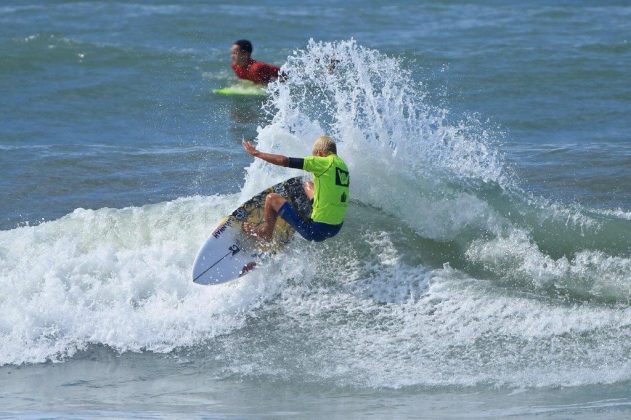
247,68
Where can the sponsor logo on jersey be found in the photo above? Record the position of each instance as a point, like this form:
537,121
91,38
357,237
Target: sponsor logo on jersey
342,177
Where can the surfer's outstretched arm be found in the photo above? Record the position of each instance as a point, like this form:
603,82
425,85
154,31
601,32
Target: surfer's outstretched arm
279,160
327,168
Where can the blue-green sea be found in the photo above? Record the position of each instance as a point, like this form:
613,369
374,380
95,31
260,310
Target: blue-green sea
483,270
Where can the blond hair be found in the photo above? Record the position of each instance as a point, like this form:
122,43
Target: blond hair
324,144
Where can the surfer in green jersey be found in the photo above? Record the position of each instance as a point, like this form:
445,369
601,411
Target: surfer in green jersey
329,192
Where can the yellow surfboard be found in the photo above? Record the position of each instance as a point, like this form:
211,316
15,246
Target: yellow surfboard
242,89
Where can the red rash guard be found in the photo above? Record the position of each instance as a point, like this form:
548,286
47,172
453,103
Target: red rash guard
257,72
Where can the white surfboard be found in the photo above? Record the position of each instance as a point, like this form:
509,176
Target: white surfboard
229,253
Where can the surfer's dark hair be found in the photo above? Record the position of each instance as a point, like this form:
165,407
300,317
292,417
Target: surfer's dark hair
244,45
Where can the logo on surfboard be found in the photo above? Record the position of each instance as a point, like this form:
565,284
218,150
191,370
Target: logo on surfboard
240,213
221,229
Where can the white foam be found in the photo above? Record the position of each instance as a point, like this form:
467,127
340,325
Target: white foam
588,273
458,331
619,213
119,278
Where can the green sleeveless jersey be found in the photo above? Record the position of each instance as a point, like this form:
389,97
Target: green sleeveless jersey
331,188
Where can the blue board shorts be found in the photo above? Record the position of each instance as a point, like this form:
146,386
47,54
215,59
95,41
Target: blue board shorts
311,231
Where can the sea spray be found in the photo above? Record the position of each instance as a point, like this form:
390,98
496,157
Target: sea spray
447,180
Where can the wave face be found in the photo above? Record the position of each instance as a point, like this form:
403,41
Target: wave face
446,272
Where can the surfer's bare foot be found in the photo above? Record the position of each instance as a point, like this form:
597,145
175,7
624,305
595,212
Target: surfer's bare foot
259,232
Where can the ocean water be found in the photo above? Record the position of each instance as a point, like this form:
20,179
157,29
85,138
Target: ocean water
484,269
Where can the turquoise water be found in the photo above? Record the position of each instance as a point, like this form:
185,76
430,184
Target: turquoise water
485,259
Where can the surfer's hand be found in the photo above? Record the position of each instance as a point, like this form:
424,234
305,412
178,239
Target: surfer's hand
249,148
